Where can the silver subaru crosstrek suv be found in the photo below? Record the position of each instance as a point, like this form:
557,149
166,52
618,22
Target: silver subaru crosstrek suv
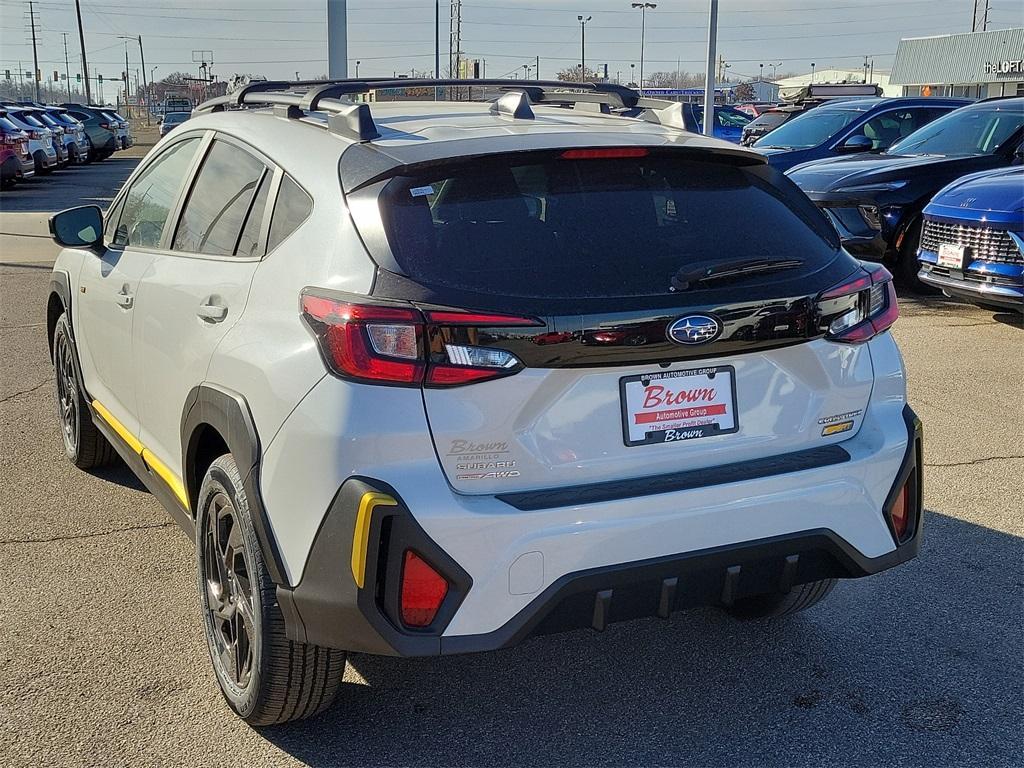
428,377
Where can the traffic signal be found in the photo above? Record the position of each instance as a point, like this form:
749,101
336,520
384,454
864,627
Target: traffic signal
78,77
7,74
100,78
56,75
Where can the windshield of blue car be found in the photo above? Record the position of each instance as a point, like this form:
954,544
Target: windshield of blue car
809,129
975,131
176,117
726,117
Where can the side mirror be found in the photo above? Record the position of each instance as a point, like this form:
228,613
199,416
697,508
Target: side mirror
856,143
80,227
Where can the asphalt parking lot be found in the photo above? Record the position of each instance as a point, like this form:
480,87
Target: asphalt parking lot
102,659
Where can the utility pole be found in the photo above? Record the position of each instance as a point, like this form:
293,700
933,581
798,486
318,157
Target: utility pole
85,66
145,85
127,76
437,42
583,47
35,55
709,69
865,70
984,17
974,17
67,65
537,70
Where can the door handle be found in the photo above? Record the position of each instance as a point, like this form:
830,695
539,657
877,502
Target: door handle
124,300
214,313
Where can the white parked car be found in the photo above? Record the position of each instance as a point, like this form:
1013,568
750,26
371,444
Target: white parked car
436,377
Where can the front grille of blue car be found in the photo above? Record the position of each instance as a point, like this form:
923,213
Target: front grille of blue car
985,243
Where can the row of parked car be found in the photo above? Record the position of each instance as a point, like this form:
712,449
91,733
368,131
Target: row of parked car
38,138
934,187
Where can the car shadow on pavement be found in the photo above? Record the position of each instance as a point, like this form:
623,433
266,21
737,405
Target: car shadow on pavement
1014,319
922,663
119,474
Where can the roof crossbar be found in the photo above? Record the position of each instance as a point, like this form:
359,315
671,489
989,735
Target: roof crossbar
354,120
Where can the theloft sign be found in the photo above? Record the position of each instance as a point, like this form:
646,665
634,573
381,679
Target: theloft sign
1005,67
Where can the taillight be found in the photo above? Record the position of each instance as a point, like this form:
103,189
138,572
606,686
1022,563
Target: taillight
423,591
36,135
401,345
861,307
105,125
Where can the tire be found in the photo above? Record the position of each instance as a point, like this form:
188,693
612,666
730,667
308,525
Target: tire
84,445
778,604
907,267
265,677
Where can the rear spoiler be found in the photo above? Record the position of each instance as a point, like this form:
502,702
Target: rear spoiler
364,164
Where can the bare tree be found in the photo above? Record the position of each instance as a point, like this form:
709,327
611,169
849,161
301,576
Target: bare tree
574,75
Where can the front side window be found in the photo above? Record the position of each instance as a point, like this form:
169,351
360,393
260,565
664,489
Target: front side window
966,131
219,202
886,129
151,196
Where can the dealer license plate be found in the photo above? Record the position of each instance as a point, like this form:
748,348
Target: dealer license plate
670,406
951,255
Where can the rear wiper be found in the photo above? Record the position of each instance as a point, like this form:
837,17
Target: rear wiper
686,278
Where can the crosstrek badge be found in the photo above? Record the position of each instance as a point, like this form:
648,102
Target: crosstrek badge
670,406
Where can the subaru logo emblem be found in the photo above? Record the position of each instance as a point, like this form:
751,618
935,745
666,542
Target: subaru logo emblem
694,329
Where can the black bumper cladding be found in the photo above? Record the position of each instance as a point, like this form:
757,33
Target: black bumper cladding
328,609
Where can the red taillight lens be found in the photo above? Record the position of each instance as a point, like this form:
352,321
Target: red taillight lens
900,514
105,125
377,344
36,135
423,591
385,344
860,308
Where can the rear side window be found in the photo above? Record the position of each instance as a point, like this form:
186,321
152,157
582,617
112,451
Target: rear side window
150,198
220,201
563,228
292,208
81,116
7,126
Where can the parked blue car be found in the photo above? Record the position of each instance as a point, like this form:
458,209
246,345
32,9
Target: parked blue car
972,243
848,127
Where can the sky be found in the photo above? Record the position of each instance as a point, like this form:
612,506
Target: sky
387,36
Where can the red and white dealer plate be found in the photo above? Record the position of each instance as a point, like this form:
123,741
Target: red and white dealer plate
669,406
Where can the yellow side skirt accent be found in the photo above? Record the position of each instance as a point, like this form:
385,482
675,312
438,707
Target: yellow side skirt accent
159,468
361,534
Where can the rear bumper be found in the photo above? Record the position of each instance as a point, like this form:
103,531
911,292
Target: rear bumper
327,608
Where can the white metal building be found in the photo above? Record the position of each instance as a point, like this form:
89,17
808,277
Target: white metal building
973,64
832,75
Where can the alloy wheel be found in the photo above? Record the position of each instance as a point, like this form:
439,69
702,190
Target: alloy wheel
67,394
229,594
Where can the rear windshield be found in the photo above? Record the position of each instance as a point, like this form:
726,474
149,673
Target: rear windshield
809,129
7,126
548,227
31,119
769,120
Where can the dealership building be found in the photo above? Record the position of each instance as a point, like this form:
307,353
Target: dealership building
973,64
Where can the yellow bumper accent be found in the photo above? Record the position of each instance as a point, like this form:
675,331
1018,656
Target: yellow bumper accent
159,468
361,534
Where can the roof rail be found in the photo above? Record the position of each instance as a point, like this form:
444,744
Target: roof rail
354,120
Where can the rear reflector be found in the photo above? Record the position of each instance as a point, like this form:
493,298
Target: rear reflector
423,591
599,154
900,514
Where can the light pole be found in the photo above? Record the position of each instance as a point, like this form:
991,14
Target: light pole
358,62
774,66
583,47
760,73
812,73
632,73
643,27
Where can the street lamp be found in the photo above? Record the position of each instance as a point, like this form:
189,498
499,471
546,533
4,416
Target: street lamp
775,66
643,26
760,73
583,47
812,73
632,73
357,68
